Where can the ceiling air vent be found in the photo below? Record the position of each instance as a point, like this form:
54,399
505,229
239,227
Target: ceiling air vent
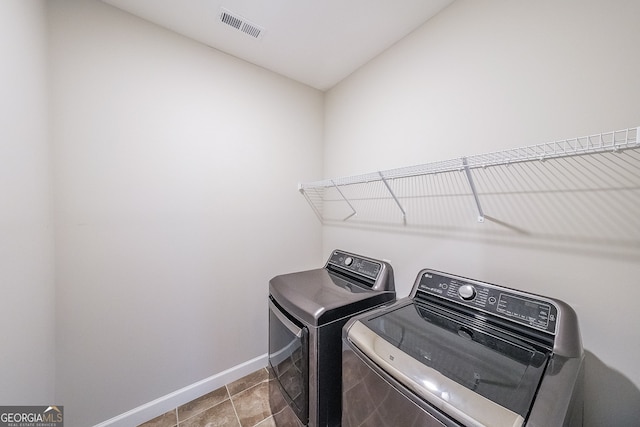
241,24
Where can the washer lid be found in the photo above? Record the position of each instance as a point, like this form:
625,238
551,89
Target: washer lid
479,376
318,297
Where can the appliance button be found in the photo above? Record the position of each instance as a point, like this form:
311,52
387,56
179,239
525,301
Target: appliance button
467,292
348,261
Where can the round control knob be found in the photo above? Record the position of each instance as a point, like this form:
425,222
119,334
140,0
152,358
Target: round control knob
467,292
348,261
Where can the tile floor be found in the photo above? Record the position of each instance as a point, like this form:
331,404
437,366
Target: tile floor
242,403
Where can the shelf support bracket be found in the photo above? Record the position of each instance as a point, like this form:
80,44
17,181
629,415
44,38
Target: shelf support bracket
386,184
467,171
346,200
308,199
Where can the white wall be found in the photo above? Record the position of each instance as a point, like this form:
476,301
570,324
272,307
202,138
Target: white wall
26,234
175,172
483,76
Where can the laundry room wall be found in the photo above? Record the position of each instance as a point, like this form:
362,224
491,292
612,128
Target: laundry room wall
26,233
484,76
176,170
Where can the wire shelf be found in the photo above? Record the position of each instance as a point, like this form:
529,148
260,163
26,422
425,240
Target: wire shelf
586,188
604,142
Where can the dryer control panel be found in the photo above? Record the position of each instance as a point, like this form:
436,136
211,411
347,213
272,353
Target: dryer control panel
520,307
356,264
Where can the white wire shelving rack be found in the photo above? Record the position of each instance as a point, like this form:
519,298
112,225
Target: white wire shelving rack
564,167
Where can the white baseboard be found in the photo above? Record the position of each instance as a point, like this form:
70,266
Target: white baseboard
186,394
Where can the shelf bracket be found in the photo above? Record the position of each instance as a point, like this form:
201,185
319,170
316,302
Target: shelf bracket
473,189
404,214
313,206
346,200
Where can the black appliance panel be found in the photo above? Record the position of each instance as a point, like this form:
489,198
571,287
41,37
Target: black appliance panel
362,270
538,313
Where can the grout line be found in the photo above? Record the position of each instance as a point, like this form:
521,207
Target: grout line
260,422
233,406
206,408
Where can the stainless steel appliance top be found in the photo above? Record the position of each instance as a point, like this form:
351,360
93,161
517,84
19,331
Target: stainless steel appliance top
346,285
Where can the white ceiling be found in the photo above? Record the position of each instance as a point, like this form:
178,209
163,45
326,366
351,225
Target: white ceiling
316,42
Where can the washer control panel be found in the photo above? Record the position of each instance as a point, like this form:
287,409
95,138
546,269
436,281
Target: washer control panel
362,266
507,303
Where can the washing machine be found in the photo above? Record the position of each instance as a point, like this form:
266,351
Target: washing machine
461,352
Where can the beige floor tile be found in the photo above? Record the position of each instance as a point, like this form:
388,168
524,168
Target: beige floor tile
252,405
202,403
242,403
286,418
248,381
221,415
269,422
167,419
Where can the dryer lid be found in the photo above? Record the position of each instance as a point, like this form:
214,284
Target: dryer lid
318,297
